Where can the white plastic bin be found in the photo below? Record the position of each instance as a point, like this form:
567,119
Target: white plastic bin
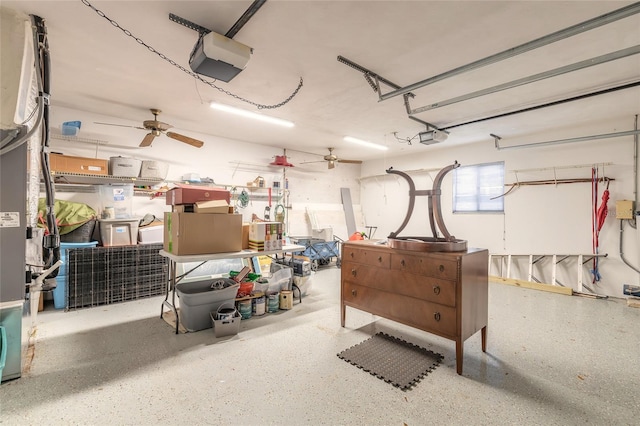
124,166
119,232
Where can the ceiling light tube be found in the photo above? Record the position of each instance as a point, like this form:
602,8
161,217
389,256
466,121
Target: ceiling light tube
365,143
249,114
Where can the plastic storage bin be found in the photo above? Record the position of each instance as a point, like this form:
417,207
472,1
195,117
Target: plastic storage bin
116,201
198,300
154,169
119,232
60,292
229,326
124,166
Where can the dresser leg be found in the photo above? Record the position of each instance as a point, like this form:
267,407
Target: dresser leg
483,333
343,312
459,347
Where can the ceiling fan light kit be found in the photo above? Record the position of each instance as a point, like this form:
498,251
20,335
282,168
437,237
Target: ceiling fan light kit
365,143
156,128
332,159
250,114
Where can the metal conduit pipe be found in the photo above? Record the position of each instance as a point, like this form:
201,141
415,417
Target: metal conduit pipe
561,141
626,262
509,53
635,193
635,165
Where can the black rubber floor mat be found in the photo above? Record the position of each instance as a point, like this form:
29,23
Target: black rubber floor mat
395,361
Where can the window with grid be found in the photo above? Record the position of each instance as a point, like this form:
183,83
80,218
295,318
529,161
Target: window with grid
478,188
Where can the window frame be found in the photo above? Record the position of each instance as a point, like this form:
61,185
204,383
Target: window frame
480,189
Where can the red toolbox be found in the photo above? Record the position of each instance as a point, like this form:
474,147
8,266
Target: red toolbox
190,194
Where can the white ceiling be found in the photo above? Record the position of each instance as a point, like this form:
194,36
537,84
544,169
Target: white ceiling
97,68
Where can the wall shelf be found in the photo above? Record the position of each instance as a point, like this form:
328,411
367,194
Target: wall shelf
89,179
86,183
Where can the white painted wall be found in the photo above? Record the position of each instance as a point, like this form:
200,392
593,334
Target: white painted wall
227,162
537,219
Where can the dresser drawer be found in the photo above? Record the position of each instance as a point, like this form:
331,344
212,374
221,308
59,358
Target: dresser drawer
366,256
432,289
423,265
428,316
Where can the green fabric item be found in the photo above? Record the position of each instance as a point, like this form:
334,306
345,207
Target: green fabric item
69,215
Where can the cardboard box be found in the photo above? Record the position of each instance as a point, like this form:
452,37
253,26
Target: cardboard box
245,236
213,206
192,208
195,233
183,208
265,236
70,164
624,209
191,194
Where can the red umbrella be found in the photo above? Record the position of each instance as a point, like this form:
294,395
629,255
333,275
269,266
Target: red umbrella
601,214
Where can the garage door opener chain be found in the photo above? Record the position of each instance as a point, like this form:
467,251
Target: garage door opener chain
192,74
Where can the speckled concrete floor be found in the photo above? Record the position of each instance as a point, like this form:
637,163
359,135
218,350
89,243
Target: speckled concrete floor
551,360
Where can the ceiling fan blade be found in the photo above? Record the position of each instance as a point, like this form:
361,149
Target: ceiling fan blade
185,139
350,161
119,125
331,164
148,139
309,162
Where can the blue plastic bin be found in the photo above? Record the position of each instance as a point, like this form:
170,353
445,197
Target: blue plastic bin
60,292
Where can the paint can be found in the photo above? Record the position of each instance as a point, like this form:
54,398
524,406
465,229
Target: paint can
225,313
244,307
286,299
273,301
258,305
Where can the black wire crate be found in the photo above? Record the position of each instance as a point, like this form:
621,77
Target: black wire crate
105,275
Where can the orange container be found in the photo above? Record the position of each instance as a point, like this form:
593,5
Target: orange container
245,289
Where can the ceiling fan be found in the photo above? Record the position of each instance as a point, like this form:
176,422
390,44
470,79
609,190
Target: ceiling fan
156,128
332,159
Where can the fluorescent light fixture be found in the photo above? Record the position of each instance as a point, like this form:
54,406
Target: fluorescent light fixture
432,136
365,143
249,114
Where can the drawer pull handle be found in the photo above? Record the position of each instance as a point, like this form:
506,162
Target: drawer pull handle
379,258
351,254
354,272
402,262
436,289
436,315
354,292
441,268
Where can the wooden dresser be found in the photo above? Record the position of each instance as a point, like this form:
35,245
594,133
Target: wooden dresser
442,293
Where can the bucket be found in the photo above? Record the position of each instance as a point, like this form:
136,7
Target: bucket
225,313
273,301
244,307
245,289
225,320
258,305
